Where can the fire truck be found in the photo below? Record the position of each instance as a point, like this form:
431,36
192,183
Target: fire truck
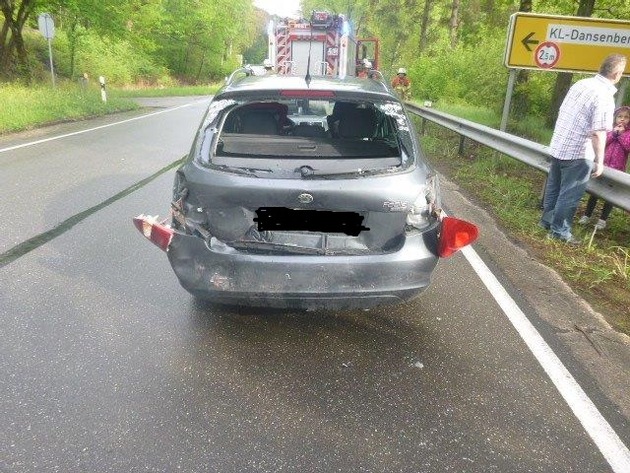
323,45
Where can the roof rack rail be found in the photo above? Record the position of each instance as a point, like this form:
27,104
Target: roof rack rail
246,70
378,76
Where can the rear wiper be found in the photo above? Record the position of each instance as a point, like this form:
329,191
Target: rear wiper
360,172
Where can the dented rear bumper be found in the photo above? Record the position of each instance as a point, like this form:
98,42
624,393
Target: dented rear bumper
225,275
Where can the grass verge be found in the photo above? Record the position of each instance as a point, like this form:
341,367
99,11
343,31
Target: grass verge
511,191
25,108
167,92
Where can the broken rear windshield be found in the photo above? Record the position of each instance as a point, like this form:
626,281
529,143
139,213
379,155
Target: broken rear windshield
308,129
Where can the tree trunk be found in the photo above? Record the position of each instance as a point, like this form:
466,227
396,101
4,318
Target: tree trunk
22,57
73,40
564,79
424,26
14,43
6,45
521,98
453,23
5,59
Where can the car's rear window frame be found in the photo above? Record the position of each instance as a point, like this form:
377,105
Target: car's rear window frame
207,152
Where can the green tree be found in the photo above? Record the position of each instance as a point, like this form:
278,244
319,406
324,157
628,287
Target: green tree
563,81
77,17
12,49
203,40
587,8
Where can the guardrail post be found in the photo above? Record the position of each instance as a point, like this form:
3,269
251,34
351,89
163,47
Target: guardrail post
461,145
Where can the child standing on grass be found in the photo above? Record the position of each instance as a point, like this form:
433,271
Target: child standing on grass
616,157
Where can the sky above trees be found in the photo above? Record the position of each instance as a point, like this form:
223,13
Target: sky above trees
283,8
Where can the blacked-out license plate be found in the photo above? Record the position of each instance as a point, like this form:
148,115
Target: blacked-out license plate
285,219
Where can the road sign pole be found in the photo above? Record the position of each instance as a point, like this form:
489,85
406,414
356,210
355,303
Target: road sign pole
52,71
508,99
47,29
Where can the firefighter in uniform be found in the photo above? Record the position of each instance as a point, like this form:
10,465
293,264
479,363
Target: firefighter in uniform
401,84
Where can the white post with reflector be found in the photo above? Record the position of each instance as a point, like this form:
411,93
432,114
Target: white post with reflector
101,80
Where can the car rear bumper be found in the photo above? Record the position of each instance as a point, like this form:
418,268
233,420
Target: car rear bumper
229,276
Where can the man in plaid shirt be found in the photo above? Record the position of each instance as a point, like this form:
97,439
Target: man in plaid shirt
577,146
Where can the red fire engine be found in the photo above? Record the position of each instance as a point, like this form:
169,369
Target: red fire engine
324,45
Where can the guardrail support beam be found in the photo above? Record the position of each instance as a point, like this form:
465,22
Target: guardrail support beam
612,185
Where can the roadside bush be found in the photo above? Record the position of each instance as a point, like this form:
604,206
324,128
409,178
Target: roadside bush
38,60
474,75
118,61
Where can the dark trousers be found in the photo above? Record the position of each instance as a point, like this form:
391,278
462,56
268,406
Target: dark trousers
590,206
566,184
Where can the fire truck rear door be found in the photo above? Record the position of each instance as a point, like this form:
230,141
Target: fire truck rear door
300,52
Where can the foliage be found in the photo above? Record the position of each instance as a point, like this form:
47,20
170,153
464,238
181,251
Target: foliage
117,60
441,76
257,51
460,58
133,40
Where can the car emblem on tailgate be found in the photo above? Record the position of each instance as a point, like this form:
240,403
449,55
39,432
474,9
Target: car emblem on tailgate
305,198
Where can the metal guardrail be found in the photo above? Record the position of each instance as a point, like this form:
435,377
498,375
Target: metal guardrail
612,185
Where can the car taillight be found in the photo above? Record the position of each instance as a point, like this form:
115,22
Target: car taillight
455,234
157,232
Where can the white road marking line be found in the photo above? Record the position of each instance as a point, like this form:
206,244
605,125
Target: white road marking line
610,445
87,130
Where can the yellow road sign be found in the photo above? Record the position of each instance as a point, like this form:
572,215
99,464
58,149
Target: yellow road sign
564,43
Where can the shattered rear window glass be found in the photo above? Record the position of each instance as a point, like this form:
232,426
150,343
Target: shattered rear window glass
308,128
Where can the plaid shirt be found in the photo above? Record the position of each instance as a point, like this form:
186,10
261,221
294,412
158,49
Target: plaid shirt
588,107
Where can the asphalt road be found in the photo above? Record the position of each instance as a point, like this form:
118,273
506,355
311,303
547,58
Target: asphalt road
109,366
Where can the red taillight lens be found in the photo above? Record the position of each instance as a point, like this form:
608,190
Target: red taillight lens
158,233
455,235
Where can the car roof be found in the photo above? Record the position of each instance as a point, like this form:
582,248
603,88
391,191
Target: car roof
274,83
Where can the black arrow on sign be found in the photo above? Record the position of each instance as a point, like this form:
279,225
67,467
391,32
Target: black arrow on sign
527,41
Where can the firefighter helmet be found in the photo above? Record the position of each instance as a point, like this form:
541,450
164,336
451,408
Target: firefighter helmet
402,70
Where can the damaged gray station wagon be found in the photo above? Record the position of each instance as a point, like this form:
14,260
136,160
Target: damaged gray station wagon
306,193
